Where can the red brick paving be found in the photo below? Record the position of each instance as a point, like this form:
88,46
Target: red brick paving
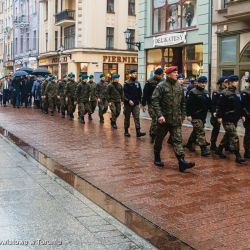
208,207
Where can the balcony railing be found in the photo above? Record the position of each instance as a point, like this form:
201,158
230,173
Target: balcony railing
65,15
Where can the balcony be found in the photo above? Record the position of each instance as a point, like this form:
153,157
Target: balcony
65,18
238,10
21,21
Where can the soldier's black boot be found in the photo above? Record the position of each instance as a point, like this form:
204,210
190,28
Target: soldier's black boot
158,162
204,151
126,133
63,115
52,113
213,146
219,152
139,133
90,117
82,120
247,154
170,142
189,146
238,158
183,164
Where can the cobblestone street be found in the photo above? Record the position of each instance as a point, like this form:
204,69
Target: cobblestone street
207,207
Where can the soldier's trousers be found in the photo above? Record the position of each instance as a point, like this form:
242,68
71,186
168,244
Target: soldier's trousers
115,110
176,136
51,104
135,110
92,107
71,106
45,104
230,138
198,132
153,126
216,129
247,134
62,105
83,108
103,107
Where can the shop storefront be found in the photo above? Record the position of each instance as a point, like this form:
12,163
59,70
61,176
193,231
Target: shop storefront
8,67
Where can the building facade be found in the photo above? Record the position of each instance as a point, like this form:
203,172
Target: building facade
1,38
87,36
26,31
231,39
174,32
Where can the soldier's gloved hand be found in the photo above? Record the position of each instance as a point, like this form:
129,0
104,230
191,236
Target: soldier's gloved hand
98,100
214,114
243,118
189,118
219,120
161,120
144,108
131,103
58,97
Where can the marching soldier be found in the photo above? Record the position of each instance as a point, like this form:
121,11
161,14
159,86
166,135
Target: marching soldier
245,97
69,93
198,104
229,112
51,94
147,99
168,102
44,104
115,97
92,85
102,97
82,95
132,100
223,83
61,95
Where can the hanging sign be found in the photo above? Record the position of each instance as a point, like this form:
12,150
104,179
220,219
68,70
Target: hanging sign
170,39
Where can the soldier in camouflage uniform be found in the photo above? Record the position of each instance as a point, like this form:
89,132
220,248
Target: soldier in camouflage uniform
69,93
146,100
92,102
44,104
222,82
51,94
229,112
245,97
102,97
168,102
82,96
132,99
61,95
115,97
198,104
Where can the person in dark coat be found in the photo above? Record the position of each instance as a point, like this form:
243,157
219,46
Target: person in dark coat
36,91
16,89
24,92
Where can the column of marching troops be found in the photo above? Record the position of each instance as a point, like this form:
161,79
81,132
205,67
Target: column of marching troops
167,105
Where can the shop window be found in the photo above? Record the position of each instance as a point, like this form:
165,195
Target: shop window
109,69
193,52
64,69
128,67
168,57
69,37
228,49
154,56
54,70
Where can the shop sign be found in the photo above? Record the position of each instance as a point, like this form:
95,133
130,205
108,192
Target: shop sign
42,61
170,39
9,64
120,59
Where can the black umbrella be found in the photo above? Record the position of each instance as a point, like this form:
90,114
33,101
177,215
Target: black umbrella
28,70
20,73
41,72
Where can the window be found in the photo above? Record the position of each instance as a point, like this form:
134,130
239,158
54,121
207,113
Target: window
110,38
110,69
16,43
21,48
34,39
128,67
69,37
46,41
225,4
27,41
173,15
110,6
56,6
46,10
35,6
131,7
132,39
228,49
56,40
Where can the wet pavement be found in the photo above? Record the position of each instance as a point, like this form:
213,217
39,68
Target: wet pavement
206,208
40,211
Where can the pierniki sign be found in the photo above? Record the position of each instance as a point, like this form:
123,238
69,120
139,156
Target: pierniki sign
170,39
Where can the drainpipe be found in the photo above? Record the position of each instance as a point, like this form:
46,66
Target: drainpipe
210,18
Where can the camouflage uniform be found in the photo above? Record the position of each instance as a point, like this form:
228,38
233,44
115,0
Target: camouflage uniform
69,92
115,96
168,100
51,95
60,92
92,85
44,104
245,97
101,93
82,95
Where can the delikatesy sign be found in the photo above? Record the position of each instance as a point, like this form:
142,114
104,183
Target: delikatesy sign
170,39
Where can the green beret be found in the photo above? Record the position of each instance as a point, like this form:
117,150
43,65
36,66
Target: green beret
65,75
102,75
91,76
85,76
71,75
52,77
115,76
80,75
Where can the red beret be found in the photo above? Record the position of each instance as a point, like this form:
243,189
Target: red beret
171,69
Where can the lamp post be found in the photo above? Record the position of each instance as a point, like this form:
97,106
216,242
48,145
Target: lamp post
60,51
127,35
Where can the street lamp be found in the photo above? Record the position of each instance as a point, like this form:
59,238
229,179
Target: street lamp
60,51
127,35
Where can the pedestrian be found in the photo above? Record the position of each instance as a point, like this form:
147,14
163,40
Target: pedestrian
102,97
92,102
245,97
229,112
222,84
148,90
36,91
16,88
5,87
30,83
24,92
61,96
44,104
69,92
198,105
115,97
51,94
132,100
168,102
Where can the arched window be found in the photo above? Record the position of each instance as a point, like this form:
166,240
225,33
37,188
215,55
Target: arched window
245,55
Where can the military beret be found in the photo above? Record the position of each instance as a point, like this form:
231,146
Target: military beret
80,75
85,76
71,75
158,71
52,77
65,75
132,71
102,75
202,79
233,78
181,76
91,76
115,76
222,79
171,69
